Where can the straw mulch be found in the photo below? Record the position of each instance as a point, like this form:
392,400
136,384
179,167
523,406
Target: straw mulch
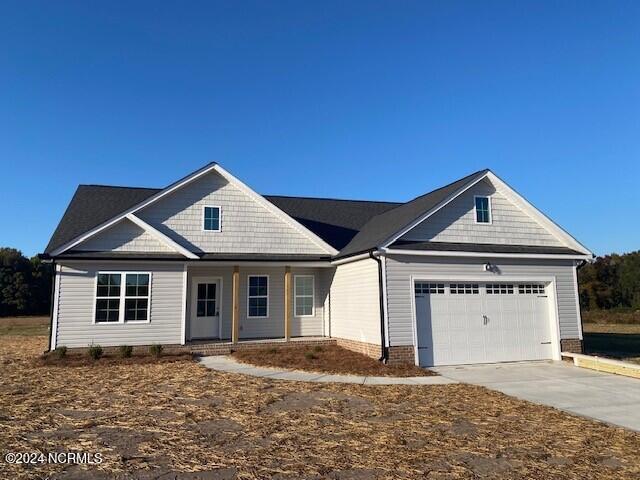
160,420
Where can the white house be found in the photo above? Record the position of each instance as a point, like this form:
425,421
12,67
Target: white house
468,273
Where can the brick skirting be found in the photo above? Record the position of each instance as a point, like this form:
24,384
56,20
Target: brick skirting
572,345
402,355
369,349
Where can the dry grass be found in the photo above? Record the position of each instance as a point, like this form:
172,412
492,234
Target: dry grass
24,325
181,417
611,316
611,328
325,359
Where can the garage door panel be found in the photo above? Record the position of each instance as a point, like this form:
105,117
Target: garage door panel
482,323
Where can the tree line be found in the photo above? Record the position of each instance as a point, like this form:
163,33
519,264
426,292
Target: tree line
611,282
25,284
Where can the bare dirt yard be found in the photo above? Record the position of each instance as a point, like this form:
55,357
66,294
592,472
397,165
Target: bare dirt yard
163,420
325,359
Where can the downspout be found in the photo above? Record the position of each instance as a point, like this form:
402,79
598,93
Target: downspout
53,293
384,356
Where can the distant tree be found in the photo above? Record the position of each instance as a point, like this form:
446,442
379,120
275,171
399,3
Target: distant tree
24,284
612,281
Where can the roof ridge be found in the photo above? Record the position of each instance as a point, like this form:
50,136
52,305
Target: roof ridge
116,186
333,199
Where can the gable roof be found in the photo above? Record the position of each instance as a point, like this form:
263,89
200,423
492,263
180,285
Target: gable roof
386,224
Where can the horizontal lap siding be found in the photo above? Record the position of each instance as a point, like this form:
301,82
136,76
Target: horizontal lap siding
400,291
355,304
456,222
75,307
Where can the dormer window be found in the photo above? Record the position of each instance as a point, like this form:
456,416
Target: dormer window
211,219
483,209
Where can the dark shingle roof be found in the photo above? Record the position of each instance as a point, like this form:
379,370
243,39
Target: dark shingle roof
482,248
384,225
92,205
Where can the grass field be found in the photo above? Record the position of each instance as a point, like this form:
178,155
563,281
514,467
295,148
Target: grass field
24,325
159,420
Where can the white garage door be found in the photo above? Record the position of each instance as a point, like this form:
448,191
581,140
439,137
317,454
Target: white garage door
462,323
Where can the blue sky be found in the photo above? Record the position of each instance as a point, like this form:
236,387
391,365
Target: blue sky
371,100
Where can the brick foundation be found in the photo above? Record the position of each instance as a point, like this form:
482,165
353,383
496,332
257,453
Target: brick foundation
572,345
217,348
402,355
369,349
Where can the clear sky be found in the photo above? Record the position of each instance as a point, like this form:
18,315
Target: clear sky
371,100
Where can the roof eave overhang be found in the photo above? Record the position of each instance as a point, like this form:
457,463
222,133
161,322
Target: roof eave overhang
451,253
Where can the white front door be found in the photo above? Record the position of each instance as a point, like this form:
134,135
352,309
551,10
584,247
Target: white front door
205,308
462,322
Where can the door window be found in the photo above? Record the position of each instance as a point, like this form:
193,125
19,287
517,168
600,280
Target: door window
206,300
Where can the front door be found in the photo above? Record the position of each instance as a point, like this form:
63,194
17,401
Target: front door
205,308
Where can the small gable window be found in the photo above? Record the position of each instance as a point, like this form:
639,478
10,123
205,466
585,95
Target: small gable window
212,219
483,209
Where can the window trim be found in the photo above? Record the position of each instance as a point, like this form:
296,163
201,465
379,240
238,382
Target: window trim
475,211
252,275
204,209
313,295
122,298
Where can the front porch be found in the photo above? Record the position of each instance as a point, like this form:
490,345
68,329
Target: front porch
231,306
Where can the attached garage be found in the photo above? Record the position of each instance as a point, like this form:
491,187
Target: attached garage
462,322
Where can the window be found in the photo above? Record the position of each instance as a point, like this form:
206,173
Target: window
499,289
108,298
212,219
303,295
258,296
422,288
136,298
535,289
464,288
115,304
206,301
483,209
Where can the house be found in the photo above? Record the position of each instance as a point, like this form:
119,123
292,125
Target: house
468,273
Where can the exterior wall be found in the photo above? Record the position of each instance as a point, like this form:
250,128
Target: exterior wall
456,222
125,236
246,226
273,326
76,306
355,304
572,345
368,349
400,291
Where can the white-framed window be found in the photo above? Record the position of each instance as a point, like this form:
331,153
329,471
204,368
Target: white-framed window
211,218
464,288
119,301
499,289
482,209
258,296
304,295
533,288
423,288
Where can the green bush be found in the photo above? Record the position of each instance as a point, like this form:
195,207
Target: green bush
155,350
60,352
125,351
272,350
95,352
317,348
310,355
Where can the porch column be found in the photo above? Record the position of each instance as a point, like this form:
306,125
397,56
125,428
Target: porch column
235,313
287,303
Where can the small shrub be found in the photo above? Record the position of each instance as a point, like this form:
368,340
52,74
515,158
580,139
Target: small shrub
272,350
60,352
155,350
125,351
310,355
95,352
317,348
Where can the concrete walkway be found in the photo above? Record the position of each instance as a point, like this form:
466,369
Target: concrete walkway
228,364
606,397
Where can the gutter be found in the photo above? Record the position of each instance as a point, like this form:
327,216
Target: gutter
384,352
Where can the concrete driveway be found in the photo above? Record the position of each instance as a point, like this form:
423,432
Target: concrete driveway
610,398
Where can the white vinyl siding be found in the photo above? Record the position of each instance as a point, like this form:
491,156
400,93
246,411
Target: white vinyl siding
76,327
247,226
399,270
355,304
124,236
456,222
